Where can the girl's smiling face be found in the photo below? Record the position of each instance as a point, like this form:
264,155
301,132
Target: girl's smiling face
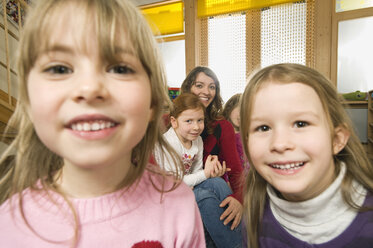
90,111
188,125
289,142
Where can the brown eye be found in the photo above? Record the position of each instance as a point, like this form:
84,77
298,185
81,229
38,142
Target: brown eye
121,69
301,124
58,69
262,128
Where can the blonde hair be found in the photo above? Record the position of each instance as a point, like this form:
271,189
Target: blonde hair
110,19
357,163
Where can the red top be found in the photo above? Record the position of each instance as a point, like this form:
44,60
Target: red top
222,142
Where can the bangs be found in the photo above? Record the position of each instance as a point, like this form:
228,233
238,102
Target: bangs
94,25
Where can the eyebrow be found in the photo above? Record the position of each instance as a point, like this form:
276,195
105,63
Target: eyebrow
204,82
298,114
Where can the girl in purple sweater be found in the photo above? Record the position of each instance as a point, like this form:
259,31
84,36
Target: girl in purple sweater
91,92
310,182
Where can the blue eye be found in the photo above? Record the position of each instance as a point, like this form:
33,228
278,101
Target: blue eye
121,69
301,124
58,69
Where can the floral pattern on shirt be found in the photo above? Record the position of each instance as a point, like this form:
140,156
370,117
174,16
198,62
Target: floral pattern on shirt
187,162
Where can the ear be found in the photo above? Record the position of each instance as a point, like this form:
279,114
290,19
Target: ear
341,136
173,122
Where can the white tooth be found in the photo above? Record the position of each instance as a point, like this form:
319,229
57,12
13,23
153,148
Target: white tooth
287,166
102,125
73,126
86,126
79,127
107,124
95,126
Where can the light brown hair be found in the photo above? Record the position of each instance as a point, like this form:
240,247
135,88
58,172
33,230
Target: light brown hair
358,166
184,102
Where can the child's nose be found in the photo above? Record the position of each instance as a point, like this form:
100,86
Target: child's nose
281,141
196,126
90,88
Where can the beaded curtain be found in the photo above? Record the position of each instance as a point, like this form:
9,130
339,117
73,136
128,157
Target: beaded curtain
234,45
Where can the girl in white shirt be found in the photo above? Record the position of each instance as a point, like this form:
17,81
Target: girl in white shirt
187,123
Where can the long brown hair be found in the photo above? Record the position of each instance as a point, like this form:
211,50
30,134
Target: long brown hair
358,166
213,111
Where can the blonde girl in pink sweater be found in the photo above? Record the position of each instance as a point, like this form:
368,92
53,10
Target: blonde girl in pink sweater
91,91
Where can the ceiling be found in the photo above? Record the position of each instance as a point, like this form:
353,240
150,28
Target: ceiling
144,2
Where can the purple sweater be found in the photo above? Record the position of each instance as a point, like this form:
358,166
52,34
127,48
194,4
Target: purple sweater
358,235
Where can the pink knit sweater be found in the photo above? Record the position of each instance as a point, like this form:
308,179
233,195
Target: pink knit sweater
137,218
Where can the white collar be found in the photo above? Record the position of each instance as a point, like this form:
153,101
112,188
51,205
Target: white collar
312,219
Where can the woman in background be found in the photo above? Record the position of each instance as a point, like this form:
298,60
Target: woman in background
218,139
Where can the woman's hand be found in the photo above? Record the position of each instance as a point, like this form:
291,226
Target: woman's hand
233,212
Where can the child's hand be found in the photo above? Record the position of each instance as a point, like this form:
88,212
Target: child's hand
219,170
210,165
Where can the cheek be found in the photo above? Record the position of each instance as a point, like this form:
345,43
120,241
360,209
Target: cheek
254,150
134,98
213,94
194,90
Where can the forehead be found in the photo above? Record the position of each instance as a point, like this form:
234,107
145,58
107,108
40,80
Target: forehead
203,78
198,112
286,98
86,30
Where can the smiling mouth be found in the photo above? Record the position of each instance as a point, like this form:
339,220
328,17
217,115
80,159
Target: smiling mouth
89,126
288,166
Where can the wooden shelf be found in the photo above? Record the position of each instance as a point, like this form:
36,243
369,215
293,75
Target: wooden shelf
355,104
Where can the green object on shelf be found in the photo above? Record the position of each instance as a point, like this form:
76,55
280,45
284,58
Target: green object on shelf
355,96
